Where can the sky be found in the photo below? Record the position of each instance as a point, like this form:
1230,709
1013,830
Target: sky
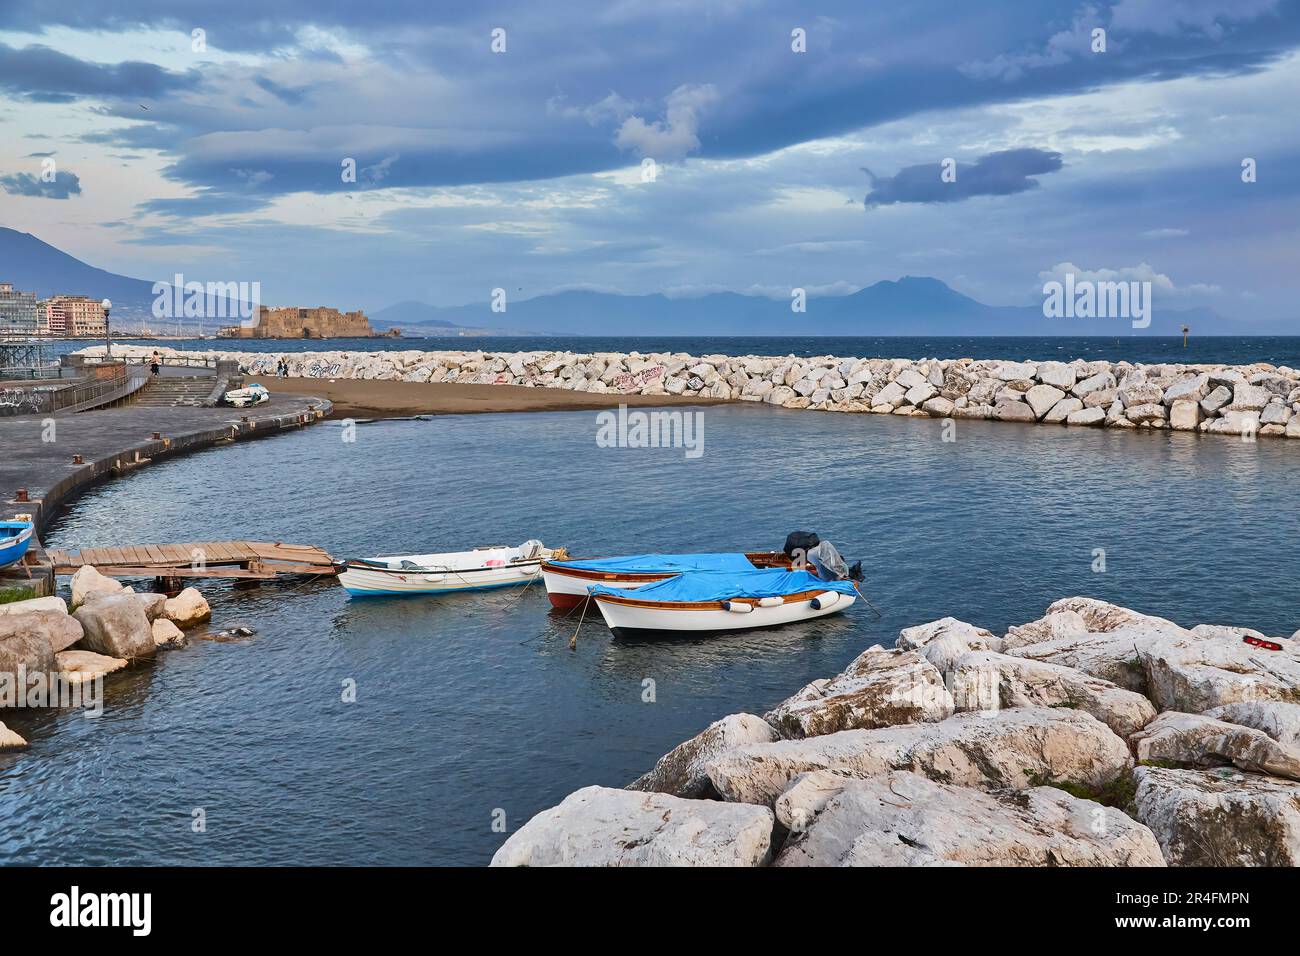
675,147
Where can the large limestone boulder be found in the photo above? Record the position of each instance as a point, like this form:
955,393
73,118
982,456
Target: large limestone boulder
1280,720
975,638
35,604
1102,616
1042,398
82,666
599,826
984,681
879,688
60,629
165,633
116,626
1013,749
1220,817
23,654
681,770
1204,741
1053,625
10,739
187,609
87,582
902,819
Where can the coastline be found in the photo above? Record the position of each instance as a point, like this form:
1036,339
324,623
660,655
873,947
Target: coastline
1243,400
368,398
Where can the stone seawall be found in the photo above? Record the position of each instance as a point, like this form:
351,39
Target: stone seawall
1218,399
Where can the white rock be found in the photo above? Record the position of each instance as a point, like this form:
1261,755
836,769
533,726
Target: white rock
88,581
974,638
10,739
1094,383
1088,416
1012,750
35,604
680,772
1057,374
1247,398
1214,401
1204,741
165,633
598,826
1279,719
985,681
879,688
1053,625
1188,390
187,609
1220,817
1014,412
1184,416
81,666
1042,398
1062,410
1016,371
902,819
919,394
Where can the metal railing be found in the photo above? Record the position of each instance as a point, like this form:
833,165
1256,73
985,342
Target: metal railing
81,396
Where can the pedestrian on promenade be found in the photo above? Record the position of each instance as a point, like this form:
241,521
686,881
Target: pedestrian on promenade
155,364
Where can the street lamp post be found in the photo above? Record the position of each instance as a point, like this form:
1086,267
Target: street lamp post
108,341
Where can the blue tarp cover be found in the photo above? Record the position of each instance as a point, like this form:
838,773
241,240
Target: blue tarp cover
724,585
650,563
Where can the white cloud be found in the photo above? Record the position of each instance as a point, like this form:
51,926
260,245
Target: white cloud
676,135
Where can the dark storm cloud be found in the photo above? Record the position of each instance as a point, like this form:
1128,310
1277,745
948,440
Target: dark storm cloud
25,184
995,174
43,75
205,204
574,78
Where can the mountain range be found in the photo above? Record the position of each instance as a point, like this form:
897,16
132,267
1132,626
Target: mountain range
907,306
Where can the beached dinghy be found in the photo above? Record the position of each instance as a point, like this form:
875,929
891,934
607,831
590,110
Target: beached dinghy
715,601
15,537
567,581
244,397
494,567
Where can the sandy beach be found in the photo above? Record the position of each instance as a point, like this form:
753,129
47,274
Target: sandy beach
360,398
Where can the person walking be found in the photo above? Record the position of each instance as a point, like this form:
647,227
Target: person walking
155,364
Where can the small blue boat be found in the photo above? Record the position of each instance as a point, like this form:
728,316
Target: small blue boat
15,537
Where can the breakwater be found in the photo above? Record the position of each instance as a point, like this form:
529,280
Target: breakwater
1093,736
1243,400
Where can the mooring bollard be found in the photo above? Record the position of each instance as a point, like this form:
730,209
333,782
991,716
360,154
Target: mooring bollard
157,436
21,495
78,460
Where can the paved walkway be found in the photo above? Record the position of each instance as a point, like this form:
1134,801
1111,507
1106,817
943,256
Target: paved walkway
38,455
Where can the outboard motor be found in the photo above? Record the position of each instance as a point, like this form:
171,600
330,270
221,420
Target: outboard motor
803,541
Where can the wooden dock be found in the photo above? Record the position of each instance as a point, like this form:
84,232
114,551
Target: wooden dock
240,560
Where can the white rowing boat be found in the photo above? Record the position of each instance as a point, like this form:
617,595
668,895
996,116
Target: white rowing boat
481,568
718,601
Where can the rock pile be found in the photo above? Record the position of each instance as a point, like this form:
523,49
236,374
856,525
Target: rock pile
1094,736
1219,399
109,626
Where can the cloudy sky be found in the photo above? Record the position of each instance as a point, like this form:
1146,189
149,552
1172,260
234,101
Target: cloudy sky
215,143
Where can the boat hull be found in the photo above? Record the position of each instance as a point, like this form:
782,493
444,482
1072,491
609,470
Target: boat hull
626,616
375,582
14,546
567,586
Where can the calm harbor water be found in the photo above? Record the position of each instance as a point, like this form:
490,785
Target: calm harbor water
472,705
1238,350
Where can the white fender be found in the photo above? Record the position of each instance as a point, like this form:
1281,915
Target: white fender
825,599
770,602
735,607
